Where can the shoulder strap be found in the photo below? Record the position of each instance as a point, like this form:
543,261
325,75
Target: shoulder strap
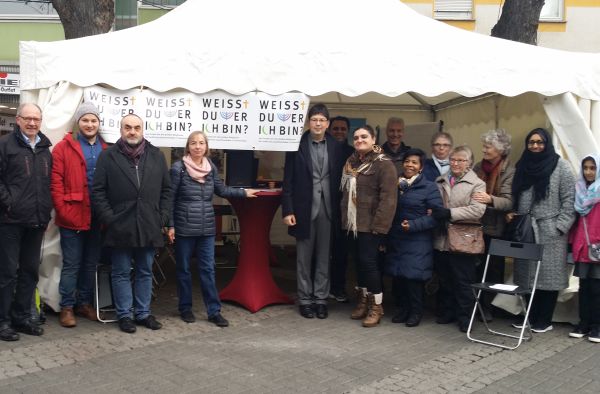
587,237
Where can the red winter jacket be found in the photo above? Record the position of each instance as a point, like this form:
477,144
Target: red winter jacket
69,186
577,234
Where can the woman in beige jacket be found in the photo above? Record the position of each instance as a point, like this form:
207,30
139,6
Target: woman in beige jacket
457,270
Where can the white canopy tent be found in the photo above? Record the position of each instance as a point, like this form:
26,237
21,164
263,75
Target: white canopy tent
385,54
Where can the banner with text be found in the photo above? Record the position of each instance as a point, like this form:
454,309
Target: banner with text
253,121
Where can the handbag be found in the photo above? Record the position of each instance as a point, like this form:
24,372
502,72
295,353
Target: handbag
465,238
593,249
520,228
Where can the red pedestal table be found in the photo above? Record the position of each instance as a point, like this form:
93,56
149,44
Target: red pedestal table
252,285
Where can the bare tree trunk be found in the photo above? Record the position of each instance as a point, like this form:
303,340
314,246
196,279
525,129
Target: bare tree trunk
519,21
82,18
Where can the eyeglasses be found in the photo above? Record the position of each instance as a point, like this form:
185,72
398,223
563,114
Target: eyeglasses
318,120
536,142
30,119
441,145
458,161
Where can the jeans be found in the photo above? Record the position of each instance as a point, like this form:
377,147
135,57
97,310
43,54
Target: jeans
19,264
121,281
81,253
205,260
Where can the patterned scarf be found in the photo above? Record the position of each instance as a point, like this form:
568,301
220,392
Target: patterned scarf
586,196
353,167
195,171
405,183
132,152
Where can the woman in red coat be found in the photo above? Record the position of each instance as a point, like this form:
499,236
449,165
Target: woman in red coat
587,196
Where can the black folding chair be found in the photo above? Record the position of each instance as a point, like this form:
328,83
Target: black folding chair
522,253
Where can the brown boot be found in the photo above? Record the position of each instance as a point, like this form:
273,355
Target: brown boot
67,317
375,310
87,311
361,307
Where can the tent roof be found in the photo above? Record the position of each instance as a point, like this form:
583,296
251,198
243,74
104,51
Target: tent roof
276,47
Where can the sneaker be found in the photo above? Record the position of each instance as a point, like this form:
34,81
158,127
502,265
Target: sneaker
579,332
540,329
126,325
150,322
218,320
594,335
188,316
518,325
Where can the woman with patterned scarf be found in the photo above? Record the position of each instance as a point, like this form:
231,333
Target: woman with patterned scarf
497,172
585,231
368,206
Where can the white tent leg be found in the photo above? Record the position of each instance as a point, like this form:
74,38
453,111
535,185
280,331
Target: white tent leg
595,120
570,126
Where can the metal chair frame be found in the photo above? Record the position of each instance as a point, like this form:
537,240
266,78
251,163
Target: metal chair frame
101,310
516,250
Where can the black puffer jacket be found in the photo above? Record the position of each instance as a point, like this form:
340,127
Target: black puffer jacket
193,214
25,181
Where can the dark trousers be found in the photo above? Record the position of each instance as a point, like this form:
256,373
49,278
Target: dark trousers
365,248
339,262
409,294
589,303
456,273
542,308
19,265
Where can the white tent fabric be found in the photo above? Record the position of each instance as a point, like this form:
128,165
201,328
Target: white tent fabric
263,45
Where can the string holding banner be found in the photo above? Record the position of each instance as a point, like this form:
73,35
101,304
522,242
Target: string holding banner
254,120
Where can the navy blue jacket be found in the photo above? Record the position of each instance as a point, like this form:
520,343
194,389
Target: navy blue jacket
430,170
410,254
193,214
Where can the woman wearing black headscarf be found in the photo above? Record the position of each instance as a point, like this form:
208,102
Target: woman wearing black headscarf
544,184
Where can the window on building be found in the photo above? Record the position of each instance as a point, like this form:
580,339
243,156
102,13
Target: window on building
553,11
125,14
163,3
453,9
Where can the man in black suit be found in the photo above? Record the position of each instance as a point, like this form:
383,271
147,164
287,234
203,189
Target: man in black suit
310,206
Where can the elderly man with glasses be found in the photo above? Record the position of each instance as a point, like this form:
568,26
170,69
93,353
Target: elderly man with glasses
25,205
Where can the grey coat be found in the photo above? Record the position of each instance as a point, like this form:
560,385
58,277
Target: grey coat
552,219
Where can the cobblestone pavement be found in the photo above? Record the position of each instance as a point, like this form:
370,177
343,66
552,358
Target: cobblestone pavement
277,351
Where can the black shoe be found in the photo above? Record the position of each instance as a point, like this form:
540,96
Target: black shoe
463,326
188,316
126,325
580,331
218,320
444,319
8,334
321,310
28,327
149,322
401,316
413,320
307,311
